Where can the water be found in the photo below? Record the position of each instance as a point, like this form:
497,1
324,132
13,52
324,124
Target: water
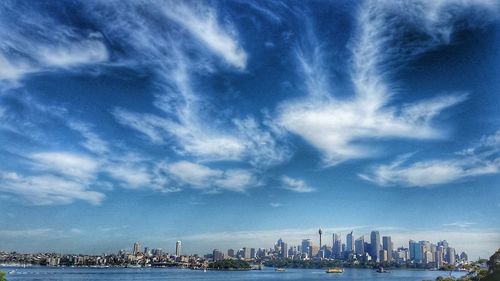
92,274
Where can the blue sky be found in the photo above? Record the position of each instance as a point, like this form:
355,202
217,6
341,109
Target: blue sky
234,123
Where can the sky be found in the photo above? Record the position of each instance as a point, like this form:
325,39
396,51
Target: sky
235,123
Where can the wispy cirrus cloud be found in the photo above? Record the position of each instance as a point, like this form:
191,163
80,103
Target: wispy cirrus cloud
481,159
202,23
295,185
52,44
48,189
203,177
338,127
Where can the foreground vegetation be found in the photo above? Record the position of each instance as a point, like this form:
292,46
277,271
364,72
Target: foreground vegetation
2,276
477,273
230,265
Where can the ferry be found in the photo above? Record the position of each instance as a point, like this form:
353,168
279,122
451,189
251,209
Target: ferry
382,270
335,270
279,269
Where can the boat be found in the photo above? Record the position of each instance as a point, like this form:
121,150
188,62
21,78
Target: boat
335,270
382,270
279,269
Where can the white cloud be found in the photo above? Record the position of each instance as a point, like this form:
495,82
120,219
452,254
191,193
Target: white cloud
80,167
235,180
203,24
74,53
481,159
341,128
12,70
202,177
37,41
48,189
92,141
194,174
295,185
132,176
275,204
461,224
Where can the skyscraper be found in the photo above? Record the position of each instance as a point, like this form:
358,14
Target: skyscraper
137,248
359,246
416,253
217,255
450,255
387,245
307,247
349,243
375,245
337,246
178,246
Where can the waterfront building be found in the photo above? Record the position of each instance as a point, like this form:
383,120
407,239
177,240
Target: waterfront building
137,248
439,256
383,256
464,257
375,245
217,255
416,254
336,246
246,253
253,253
450,255
178,248
350,243
306,247
230,253
388,246
314,251
359,246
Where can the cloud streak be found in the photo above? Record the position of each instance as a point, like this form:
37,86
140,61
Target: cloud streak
481,159
340,128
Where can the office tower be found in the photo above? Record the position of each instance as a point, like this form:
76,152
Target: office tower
314,251
443,243
382,256
230,253
306,246
463,256
217,255
246,253
137,248
439,256
281,248
416,253
349,243
387,245
253,253
178,246
375,245
359,246
450,255
337,246
402,255
320,232
147,252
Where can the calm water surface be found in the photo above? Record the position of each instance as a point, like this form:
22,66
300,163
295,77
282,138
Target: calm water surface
87,274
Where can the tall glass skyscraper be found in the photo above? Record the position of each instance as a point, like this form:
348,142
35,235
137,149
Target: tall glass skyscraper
375,245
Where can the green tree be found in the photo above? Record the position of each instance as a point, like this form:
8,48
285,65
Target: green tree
2,276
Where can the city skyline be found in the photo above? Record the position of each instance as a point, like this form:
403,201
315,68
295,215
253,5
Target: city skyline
229,122
423,253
